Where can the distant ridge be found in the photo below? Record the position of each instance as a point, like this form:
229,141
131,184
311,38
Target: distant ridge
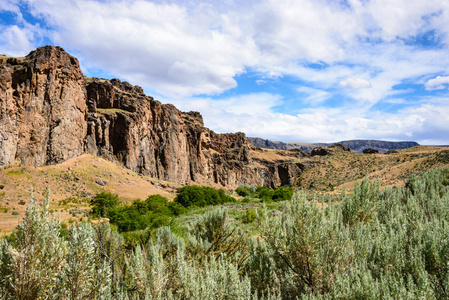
267,144
354,145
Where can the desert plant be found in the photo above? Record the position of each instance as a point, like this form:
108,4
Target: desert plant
33,263
309,247
212,235
249,216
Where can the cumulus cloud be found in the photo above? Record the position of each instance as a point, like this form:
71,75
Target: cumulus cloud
355,83
437,83
20,38
424,123
10,5
17,41
198,47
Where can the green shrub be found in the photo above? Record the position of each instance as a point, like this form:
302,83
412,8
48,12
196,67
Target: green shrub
2,186
264,193
243,191
250,216
15,213
154,212
156,201
201,196
102,203
176,208
246,200
282,193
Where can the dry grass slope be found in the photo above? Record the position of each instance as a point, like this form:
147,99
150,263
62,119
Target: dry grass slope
343,169
72,184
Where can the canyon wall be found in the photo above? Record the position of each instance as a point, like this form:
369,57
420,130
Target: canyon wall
49,112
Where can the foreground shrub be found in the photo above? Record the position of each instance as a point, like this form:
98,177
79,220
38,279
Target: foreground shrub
372,244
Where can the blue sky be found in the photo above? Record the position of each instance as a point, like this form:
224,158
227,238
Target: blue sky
295,71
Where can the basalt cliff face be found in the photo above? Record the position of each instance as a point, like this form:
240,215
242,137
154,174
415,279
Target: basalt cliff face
49,112
42,108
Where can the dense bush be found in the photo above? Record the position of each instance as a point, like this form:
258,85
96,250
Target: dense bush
154,212
102,203
264,193
282,193
194,195
249,216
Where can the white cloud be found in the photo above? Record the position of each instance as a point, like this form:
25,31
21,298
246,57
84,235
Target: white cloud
438,83
174,50
355,83
314,96
425,124
10,5
184,48
198,47
255,104
16,41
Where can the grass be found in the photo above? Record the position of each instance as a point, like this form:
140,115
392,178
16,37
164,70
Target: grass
72,183
18,173
331,173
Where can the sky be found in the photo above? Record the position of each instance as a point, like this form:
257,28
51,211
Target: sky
284,70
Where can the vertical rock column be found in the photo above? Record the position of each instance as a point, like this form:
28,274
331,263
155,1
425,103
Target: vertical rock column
42,108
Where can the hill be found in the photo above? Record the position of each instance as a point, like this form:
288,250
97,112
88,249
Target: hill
354,145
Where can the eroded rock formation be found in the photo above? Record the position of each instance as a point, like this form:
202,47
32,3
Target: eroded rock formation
42,108
50,113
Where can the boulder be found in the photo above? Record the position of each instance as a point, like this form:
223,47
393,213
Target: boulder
322,151
370,151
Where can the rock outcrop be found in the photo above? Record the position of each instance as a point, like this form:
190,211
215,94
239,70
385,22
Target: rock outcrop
322,151
370,151
49,113
42,108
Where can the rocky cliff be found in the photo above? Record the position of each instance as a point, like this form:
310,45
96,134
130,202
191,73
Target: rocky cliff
49,113
42,108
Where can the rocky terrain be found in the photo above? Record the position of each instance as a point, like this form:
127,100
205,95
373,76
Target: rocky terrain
49,113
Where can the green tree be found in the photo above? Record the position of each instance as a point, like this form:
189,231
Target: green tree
103,202
282,193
